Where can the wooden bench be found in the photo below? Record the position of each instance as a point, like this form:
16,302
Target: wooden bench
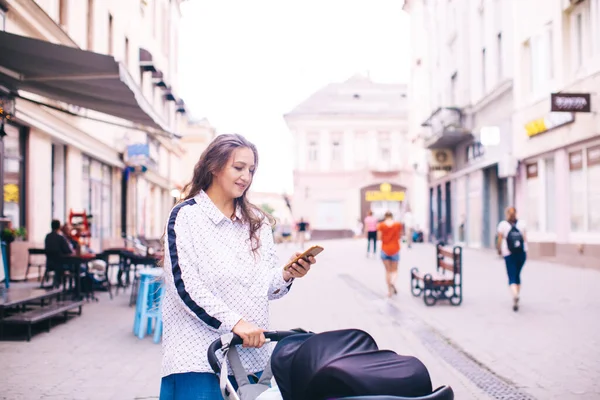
43,313
445,283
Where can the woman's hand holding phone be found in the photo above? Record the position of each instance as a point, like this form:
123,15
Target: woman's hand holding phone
300,263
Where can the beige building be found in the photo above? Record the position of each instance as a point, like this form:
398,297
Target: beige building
461,92
94,125
557,50
352,154
196,135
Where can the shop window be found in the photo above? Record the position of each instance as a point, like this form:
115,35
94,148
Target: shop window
533,196
577,191
550,192
14,199
593,188
97,195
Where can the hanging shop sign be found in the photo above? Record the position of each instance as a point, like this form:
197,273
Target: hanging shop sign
570,102
550,121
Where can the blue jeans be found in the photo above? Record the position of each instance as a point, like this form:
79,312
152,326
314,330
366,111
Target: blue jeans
393,257
193,386
514,265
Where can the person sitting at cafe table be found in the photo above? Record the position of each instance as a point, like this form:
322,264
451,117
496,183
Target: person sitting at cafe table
56,246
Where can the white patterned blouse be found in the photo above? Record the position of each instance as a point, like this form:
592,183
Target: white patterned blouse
212,280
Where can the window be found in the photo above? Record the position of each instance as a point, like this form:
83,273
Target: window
97,178
385,147
533,196
579,39
313,151
499,55
596,24
336,153
110,34
550,45
63,13
593,189
90,25
453,79
126,52
14,199
541,70
59,177
483,72
550,192
577,191
360,149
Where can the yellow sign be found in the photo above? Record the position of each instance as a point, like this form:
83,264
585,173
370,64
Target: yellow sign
550,121
384,194
11,193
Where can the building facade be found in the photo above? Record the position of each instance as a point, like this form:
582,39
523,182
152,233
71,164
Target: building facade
71,145
352,155
461,92
557,50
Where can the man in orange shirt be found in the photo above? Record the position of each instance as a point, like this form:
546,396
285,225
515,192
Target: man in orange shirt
390,232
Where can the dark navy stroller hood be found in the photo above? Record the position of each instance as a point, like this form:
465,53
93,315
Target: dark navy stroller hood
344,363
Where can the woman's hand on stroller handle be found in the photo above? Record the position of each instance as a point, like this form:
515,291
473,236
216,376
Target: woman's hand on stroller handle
252,335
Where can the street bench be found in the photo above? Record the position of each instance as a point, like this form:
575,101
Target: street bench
445,283
43,313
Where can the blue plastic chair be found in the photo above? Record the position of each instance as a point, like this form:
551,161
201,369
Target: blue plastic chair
148,310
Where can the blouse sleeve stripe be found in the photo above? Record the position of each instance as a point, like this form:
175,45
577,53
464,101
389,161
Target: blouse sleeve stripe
176,269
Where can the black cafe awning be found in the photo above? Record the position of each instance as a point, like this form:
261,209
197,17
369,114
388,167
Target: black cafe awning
82,78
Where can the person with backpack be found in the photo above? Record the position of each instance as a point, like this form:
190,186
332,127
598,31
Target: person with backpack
512,245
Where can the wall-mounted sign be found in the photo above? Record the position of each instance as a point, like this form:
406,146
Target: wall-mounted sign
475,151
551,121
570,102
385,193
489,136
532,170
441,160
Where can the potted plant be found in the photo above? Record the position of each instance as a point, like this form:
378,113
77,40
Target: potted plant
21,233
8,235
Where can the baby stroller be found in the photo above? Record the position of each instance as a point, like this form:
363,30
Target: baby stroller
343,364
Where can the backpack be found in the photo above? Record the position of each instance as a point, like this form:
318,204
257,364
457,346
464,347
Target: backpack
514,240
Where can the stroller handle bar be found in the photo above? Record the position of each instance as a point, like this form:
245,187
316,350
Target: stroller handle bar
273,336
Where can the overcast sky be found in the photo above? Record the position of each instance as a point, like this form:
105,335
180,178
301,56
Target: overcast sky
243,64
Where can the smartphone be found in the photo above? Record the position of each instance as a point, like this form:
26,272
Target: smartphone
312,251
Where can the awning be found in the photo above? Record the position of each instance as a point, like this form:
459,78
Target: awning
82,78
157,79
169,96
146,61
181,106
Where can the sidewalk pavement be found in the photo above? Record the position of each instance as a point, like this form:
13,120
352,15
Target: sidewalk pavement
482,348
549,349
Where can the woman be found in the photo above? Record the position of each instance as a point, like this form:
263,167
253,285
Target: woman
371,232
221,270
512,245
390,232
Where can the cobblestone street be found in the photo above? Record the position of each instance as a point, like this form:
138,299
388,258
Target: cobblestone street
549,350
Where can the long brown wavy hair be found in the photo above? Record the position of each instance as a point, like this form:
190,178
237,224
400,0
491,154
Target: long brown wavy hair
212,161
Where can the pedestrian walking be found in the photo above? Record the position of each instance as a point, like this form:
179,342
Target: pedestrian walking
390,232
302,234
512,245
221,271
371,232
